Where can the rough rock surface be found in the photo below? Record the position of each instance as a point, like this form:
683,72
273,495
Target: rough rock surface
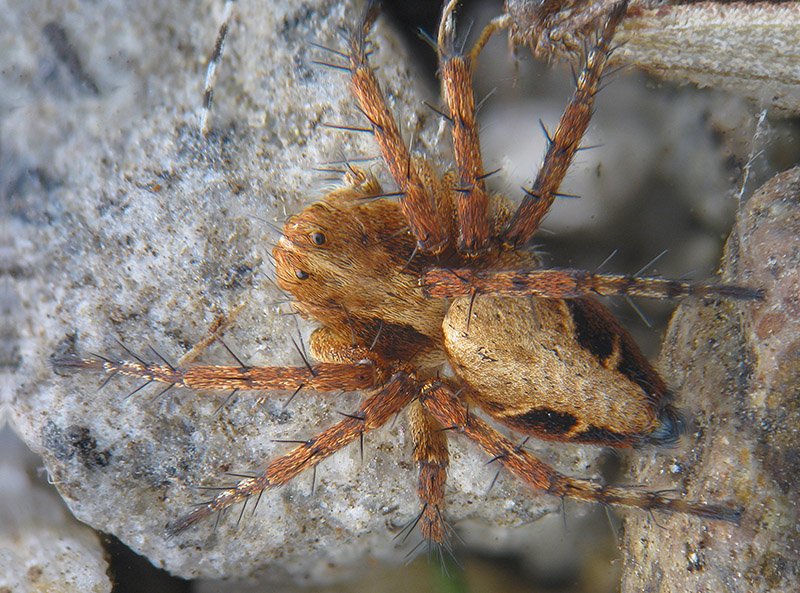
738,368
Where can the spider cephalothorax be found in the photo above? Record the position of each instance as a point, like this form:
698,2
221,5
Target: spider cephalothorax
433,303
353,239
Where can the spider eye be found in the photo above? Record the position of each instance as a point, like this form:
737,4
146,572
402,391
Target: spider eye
318,238
301,275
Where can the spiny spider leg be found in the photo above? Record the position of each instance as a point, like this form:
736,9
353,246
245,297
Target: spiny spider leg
320,377
570,283
417,203
443,404
471,198
566,139
432,457
400,389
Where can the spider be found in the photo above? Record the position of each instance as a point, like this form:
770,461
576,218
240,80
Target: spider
435,305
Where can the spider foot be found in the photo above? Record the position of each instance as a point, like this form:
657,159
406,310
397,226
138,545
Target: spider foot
241,492
437,535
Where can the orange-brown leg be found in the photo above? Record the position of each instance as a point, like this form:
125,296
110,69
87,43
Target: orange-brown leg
443,404
344,367
569,283
566,139
472,200
320,377
431,455
417,205
213,332
376,410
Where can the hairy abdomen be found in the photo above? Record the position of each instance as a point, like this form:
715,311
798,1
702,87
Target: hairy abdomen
562,370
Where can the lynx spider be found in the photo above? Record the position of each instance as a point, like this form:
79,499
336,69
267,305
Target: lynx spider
442,277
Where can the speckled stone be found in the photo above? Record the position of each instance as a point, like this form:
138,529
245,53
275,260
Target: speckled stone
739,371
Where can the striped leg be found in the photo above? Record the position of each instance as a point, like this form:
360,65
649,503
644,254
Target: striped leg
417,204
375,411
566,139
443,404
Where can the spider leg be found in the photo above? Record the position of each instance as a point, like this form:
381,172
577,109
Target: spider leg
320,377
565,142
416,202
445,406
471,198
496,24
213,333
571,283
400,389
431,454
343,367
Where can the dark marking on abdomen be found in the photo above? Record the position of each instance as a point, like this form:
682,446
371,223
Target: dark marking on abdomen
592,329
542,422
595,435
599,332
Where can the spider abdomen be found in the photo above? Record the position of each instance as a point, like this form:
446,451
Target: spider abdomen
557,369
